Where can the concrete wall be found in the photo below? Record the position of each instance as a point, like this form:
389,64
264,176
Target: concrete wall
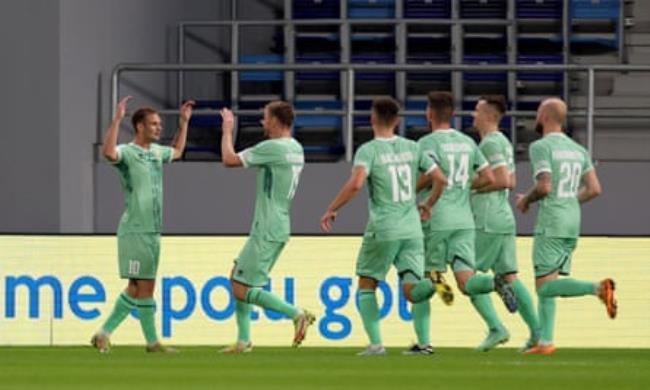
203,198
29,97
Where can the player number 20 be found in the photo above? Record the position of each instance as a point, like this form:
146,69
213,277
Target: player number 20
401,182
570,174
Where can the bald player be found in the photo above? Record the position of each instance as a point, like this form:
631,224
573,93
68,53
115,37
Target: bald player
564,179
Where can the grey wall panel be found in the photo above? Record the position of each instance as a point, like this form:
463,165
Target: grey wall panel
202,198
29,85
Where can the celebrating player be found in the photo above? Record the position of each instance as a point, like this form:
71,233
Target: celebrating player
495,223
449,234
279,162
564,178
393,235
139,164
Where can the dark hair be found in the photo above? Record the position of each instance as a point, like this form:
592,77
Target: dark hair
386,110
140,115
497,102
282,111
442,104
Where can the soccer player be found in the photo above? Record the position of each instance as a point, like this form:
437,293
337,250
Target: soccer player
449,235
139,164
278,162
393,236
564,179
495,223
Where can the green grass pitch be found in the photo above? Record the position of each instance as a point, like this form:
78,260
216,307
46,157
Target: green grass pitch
321,368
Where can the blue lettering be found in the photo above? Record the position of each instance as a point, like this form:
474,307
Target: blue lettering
33,286
76,297
168,312
331,305
211,312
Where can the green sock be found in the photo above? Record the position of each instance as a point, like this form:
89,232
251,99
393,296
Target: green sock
423,290
369,310
546,318
421,313
525,305
567,288
123,306
268,300
479,284
483,305
146,309
243,314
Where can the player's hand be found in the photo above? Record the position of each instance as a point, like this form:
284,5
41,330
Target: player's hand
326,221
522,204
228,120
120,110
425,212
186,111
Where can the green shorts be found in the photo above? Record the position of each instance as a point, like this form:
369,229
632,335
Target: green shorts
138,255
552,254
376,257
256,260
453,247
496,252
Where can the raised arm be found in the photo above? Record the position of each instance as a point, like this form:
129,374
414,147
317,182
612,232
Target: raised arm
109,149
229,158
540,190
347,192
180,139
590,187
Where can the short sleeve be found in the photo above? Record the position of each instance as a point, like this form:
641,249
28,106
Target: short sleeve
540,159
363,158
480,163
264,153
167,153
425,161
494,155
123,155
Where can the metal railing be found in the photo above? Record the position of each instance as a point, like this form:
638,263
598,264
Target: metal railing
350,69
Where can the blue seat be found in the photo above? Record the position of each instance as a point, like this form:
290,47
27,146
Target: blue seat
305,121
371,9
417,120
540,59
433,9
595,9
316,9
539,9
377,58
269,75
208,121
485,59
332,58
483,9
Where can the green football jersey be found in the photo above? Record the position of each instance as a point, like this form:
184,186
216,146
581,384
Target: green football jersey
567,162
392,165
279,163
141,175
492,211
459,158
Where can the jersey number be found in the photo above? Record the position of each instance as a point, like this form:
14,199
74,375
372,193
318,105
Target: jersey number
295,169
570,180
402,182
458,174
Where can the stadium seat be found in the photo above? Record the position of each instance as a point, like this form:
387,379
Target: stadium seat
320,135
368,9
483,9
269,75
316,9
539,9
432,9
604,16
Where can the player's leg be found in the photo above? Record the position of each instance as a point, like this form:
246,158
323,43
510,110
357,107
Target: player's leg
418,288
250,274
373,262
128,248
487,249
505,265
548,258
